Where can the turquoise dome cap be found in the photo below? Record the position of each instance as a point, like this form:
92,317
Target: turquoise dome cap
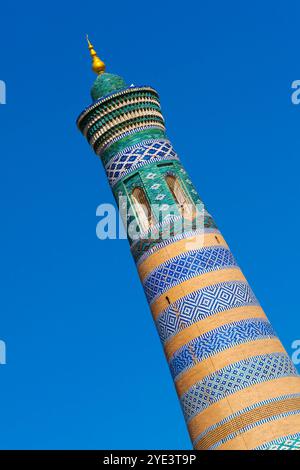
105,84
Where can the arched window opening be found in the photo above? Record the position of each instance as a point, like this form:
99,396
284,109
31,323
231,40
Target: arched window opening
142,209
187,209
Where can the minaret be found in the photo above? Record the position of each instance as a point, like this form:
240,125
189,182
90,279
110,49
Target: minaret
236,384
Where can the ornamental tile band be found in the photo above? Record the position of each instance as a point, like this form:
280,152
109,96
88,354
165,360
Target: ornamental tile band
215,341
287,443
253,425
233,378
131,160
239,419
201,304
185,266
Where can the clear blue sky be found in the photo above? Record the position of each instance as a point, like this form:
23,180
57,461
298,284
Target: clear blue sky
85,368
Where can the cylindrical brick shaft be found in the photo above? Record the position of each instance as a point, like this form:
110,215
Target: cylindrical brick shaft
237,386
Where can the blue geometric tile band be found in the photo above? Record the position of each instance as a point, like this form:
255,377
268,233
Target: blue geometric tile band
185,266
233,378
242,412
217,340
130,160
201,304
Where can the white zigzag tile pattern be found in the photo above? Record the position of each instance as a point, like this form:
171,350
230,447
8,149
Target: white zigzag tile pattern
201,304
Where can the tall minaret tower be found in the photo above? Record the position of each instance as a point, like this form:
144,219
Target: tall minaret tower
236,384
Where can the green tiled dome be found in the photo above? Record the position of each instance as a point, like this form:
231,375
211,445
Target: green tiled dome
105,84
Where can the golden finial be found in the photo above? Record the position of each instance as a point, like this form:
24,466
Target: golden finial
98,66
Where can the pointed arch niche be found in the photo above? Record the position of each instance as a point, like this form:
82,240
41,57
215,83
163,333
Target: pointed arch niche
142,208
187,209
